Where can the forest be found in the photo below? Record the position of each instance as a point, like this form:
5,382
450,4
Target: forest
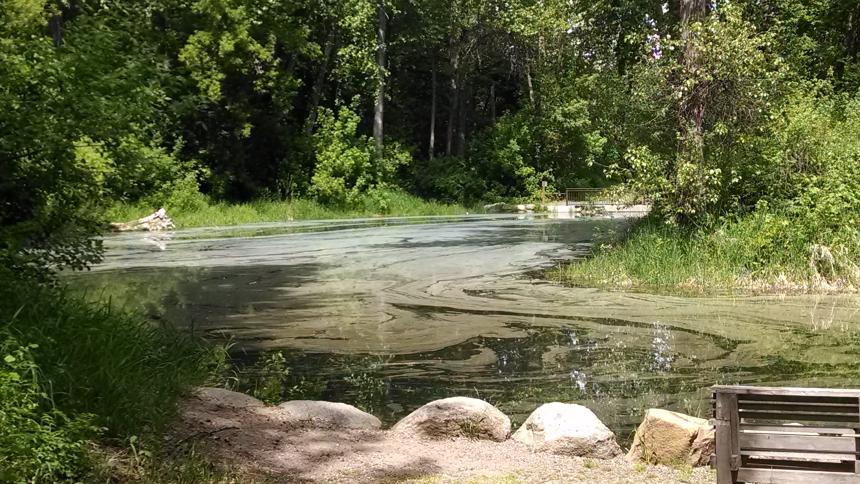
708,108
738,120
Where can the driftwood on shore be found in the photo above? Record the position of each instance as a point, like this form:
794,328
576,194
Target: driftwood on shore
155,222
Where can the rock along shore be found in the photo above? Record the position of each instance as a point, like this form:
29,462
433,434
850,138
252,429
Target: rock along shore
445,440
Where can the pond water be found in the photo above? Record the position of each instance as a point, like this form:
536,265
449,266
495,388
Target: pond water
388,314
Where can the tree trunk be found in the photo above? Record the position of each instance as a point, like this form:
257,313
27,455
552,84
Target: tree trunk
55,25
319,83
531,87
432,148
379,108
692,109
455,101
620,55
852,35
688,193
462,113
493,101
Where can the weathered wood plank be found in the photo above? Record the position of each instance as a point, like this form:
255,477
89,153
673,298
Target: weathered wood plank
797,398
784,476
799,407
724,430
799,430
808,443
857,446
814,392
800,416
753,462
734,424
799,455
760,422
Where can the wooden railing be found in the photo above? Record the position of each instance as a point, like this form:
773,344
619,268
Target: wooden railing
581,195
787,435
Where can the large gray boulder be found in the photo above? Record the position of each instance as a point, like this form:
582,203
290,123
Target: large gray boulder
320,414
457,417
672,438
568,429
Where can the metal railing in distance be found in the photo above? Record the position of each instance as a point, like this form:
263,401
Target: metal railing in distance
581,195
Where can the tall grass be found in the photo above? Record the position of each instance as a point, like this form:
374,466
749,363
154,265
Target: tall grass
92,358
389,202
754,253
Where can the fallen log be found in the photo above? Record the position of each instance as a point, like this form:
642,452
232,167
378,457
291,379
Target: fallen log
155,222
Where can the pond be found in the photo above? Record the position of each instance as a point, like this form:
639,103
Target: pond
388,314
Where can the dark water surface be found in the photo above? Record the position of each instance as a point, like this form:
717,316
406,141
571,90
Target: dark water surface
390,314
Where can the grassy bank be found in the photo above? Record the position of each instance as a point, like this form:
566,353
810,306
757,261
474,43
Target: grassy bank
760,253
201,213
86,389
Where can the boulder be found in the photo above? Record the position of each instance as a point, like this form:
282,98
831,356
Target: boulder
672,438
320,414
568,429
219,397
457,417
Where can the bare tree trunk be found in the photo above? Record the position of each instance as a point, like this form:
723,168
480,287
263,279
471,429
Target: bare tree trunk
531,87
455,101
379,108
493,101
620,58
319,82
692,109
432,148
462,113
852,35
691,114
55,25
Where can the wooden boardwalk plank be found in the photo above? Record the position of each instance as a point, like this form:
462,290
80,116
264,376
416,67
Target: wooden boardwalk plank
785,476
812,392
810,443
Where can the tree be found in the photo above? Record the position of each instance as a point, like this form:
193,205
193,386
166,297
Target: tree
379,106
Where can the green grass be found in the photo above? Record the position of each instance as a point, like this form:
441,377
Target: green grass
109,375
757,253
395,203
96,359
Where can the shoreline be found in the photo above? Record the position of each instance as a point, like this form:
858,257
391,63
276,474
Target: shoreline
692,289
317,441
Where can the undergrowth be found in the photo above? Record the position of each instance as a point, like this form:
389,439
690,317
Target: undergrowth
74,373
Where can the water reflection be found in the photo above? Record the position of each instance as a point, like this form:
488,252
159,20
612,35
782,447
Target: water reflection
388,316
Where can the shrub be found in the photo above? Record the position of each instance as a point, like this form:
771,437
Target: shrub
346,164
343,168
38,442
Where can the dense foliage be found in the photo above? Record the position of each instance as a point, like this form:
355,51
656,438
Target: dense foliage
183,103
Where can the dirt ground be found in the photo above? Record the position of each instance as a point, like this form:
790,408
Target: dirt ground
256,440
